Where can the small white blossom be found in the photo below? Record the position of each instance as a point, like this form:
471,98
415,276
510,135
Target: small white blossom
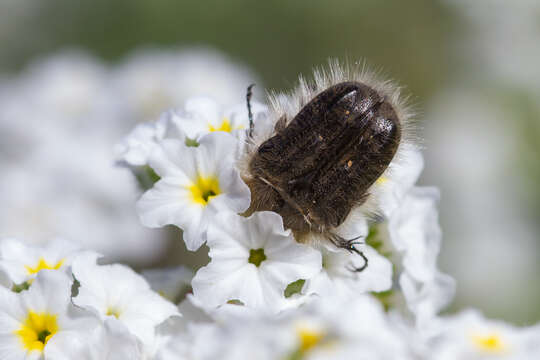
469,336
22,262
344,327
325,328
41,318
253,261
136,147
199,117
196,184
202,115
117,292
415,232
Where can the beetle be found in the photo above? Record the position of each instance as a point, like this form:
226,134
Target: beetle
331,140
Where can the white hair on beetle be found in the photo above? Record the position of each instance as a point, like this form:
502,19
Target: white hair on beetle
288,104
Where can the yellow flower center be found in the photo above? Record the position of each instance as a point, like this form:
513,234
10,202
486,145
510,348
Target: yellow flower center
309,338
491,343
43,265
224,126
381,180
204,189
36,330
112,311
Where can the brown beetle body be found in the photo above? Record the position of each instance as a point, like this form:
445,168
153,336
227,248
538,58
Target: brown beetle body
323,162
329,144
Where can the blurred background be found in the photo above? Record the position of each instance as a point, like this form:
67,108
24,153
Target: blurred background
75,77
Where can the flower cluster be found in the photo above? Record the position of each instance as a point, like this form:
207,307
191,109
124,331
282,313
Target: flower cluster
56,302
254,259
263,294
261,282
73,103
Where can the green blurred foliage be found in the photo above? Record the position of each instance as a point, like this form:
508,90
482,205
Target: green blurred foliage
523,109
279,39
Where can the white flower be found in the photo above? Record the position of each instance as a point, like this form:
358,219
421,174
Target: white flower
253,261
335,327
337,275
199,117
117,292
469,336
325,328
196,184
202,115
136,147
59,120
41,318
22,262
415,232
330,327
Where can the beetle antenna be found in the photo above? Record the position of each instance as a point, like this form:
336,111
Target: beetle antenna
250,114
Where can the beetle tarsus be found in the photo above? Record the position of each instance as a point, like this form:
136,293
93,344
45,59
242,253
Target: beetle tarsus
349,245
